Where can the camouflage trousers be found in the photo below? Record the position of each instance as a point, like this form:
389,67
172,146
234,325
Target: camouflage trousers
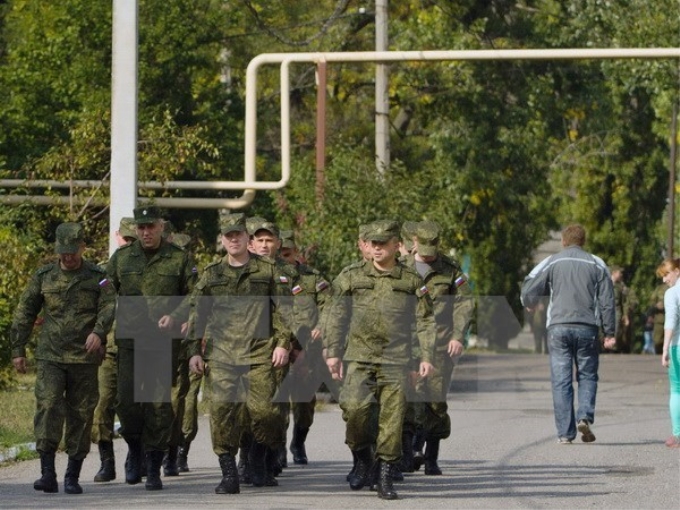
298,391
66,395
430,408
105,412
372,390
190,419
242,400
144,398
180,389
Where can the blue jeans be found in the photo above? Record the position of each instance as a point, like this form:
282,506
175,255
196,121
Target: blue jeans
568,345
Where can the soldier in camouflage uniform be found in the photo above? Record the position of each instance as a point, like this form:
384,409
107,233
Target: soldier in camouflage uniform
105,412
153,278
625,305
189,421
246,339
453,307
78,307
375,306
310,293
180,383
408,231
265,242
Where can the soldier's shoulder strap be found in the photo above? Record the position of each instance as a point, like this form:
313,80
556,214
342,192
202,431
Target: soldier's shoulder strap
45,269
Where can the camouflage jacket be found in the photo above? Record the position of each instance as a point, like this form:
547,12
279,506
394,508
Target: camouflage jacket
451,296
310,292
245,330
74,304
149,289
375,315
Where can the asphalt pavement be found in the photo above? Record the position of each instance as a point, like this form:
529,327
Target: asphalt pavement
503,453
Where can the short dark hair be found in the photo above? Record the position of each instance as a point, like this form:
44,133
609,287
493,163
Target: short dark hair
574,234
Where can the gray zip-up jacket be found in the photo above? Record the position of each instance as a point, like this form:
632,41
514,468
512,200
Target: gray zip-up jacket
579,286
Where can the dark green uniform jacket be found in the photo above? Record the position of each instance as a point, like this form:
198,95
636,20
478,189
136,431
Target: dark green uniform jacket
164,280
375,315
452,298
75,304
240,313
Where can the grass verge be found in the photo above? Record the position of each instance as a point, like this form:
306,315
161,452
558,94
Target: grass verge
18,407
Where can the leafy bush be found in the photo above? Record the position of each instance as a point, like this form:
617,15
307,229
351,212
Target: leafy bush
20,254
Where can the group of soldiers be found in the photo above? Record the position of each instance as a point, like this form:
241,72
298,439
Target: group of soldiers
383,337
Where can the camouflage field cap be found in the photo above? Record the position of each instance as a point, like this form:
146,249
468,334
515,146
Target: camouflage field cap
235,222
382,231
408,232
252,221
427,233
362,231
69,238
262,224
147,214
287,239
181,240
127,227
168,228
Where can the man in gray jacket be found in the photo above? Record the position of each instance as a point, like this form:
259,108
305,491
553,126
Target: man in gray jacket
581,300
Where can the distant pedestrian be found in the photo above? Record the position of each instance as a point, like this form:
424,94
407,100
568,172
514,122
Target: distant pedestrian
78,307
581,301
669,270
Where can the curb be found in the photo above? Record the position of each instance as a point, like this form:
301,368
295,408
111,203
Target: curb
12,452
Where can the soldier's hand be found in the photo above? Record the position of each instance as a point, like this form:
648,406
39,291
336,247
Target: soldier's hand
426,369
166,322
93,343
197,365
455,348
19,364
335,368
280,357
184,328
316,334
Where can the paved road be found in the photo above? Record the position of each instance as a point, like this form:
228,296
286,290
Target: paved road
503,453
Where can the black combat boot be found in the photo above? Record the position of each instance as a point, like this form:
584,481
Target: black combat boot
244,473
385,488
282,456
48,481
229,483
418,443
258,463
397,474
107,471
133,463
170,467
154,460
354,466
183,457
297,445
431,457
406,463
71,485
272,467
363,468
